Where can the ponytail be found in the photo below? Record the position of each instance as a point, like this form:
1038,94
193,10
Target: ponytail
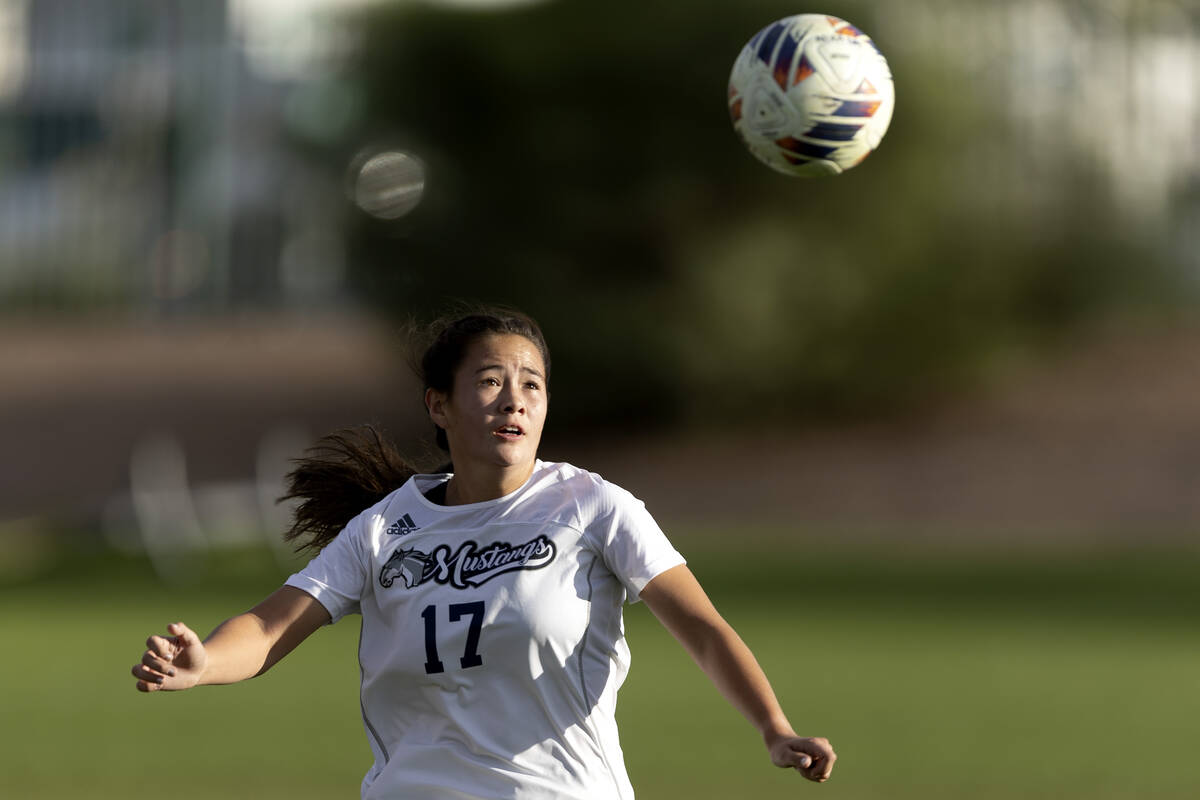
336,479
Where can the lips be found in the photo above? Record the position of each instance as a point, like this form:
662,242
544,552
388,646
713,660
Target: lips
509,431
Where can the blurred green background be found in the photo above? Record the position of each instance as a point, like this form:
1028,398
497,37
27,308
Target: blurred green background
928,431
934,675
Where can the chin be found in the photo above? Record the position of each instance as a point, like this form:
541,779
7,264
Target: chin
518,460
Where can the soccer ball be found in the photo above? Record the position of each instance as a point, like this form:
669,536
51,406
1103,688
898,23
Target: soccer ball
811,95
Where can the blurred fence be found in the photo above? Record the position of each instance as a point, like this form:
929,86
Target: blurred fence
145,165
1111,89
148,149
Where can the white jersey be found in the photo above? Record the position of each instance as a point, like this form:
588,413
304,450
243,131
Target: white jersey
492,642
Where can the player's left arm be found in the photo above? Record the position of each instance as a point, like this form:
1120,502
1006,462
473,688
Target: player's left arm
681,605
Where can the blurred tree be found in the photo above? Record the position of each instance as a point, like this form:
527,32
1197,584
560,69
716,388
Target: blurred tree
582,167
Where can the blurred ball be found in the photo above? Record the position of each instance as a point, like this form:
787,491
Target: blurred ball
389,185
811,95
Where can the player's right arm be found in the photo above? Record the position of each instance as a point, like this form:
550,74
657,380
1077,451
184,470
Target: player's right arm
239,648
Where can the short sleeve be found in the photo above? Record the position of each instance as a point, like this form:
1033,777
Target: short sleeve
635,548
336,576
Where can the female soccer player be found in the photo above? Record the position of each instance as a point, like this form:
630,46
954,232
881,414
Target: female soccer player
492,643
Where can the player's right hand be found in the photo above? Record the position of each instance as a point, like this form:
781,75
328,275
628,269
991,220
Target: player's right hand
172,662
811,757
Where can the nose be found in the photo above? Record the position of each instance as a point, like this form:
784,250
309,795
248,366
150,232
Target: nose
511,400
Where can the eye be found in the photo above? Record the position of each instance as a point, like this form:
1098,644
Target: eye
489,381
533,385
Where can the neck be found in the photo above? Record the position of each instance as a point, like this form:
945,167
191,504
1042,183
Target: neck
472,487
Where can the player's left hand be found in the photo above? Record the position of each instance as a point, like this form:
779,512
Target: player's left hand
811,757
171,663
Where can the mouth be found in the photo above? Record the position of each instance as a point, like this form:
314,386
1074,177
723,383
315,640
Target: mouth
509,432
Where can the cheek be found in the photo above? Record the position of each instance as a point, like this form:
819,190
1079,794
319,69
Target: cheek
460,411
473,399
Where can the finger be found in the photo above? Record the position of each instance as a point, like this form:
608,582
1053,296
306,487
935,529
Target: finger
157,665
822,768
148,680
802,754
152,669
161,646
813,758
184,636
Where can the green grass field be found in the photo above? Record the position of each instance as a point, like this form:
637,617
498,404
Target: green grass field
976,675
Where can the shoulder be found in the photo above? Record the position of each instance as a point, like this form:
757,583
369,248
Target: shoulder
587,494
563,477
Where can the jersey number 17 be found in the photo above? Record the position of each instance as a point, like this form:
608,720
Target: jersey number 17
470,656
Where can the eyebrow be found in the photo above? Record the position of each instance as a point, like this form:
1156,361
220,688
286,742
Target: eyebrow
530,370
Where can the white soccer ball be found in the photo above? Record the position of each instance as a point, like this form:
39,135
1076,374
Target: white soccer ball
811,95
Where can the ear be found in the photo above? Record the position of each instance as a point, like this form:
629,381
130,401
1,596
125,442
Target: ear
435,403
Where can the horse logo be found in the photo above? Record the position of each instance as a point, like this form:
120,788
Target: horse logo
406,564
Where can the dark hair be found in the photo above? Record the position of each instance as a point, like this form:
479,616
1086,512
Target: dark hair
342,474
351,470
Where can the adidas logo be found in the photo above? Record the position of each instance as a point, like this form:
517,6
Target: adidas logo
403,526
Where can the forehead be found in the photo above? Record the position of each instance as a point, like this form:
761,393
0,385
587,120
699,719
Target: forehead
503,350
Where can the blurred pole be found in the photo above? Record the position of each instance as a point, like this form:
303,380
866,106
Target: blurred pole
165,258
